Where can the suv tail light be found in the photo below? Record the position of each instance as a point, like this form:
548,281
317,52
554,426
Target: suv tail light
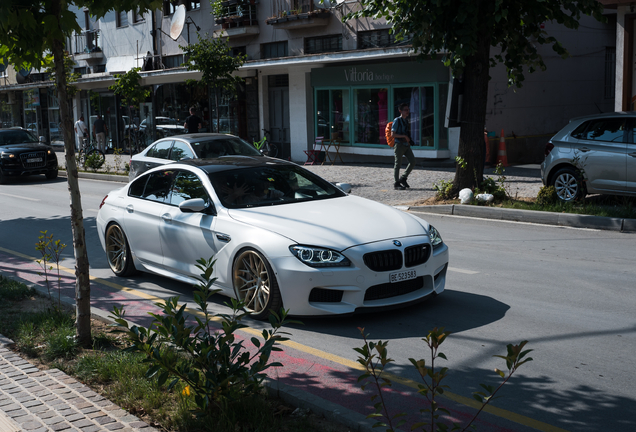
103,201
548,148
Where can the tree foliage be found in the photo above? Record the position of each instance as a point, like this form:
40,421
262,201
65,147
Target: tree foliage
461,33
127,87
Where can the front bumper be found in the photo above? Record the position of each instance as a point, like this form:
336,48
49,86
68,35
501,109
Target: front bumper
311,291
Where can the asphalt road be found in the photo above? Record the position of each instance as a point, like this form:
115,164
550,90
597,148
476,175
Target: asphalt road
570,292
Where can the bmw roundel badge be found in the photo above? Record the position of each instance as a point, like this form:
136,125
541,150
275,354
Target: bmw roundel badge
397,243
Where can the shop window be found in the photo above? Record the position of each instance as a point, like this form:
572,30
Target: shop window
274,50
368,105
122,19
421,101
332,115
321,44
173,61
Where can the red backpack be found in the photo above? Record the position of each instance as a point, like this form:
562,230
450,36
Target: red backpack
388,133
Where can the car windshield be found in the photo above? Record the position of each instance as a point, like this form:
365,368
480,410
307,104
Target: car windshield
270,185
223,147
17,136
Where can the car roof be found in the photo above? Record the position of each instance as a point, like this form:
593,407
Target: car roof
195,137
607,114
225,163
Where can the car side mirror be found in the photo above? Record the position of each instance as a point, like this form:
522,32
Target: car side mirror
345,187
43,139
196,205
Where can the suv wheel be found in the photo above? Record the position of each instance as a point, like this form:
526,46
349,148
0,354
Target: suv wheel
568,184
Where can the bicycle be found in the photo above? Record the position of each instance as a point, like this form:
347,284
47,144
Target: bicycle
265,147
133,141
91,156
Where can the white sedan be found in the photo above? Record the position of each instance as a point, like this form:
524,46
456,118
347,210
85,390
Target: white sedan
281,237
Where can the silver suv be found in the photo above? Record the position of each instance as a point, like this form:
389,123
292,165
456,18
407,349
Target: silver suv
593,154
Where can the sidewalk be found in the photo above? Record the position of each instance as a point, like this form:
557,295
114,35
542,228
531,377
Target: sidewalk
37,401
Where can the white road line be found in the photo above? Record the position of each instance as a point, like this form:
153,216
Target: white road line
462,271
21,197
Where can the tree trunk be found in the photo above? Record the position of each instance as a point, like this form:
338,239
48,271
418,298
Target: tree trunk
82,280
473,118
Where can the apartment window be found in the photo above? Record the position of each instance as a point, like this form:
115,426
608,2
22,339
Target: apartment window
321,44
137,17
192,5
173,61
376,39
169,7
274,50
122,19
236,51
610,72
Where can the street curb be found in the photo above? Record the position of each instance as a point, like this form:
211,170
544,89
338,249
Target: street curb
299,398
532,216
97,176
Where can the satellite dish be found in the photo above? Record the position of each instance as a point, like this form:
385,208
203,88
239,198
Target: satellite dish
178,20
25,72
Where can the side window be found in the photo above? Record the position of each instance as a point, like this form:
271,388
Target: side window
158,186
187,186
137,187
608,129
180,150
160,150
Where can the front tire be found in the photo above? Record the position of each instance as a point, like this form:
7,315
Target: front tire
568,184
255,284
118,252
51,175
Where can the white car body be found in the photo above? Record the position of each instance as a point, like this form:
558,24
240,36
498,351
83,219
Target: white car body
166,241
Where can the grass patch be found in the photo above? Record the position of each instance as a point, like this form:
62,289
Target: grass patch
12,290
597,205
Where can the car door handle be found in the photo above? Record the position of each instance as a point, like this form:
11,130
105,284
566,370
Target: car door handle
584,149
166,217
633,154
130,208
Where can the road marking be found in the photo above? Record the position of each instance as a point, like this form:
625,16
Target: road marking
18,196
472,403
462,270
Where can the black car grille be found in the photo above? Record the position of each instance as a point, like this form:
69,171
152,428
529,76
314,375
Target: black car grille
388,290
325,295
416,255
25,157
384,260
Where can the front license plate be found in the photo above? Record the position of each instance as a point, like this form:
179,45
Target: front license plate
402,276
34,160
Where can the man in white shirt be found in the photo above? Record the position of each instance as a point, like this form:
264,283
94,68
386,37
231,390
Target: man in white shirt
81,133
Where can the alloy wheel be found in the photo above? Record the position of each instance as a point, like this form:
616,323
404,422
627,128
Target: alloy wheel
252,281
116,249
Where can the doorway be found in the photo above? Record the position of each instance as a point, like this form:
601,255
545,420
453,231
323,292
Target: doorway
278,86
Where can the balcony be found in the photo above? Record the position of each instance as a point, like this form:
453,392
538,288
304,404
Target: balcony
88,46
237,18
298,14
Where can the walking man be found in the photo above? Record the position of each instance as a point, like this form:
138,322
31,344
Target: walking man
193,122
99,133
402,147
81,133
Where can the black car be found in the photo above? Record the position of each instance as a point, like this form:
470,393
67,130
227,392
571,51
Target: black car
22,154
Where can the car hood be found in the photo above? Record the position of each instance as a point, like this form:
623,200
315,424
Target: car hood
337,223
25,147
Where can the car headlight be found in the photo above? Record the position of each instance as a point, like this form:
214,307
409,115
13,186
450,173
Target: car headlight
319,257
7,155
433,234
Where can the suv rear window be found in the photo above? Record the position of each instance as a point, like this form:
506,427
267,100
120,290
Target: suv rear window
607,129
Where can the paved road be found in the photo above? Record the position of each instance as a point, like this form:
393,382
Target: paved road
570,292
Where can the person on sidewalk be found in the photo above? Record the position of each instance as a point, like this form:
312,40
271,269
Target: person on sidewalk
193,122
402,147
99,133
81,133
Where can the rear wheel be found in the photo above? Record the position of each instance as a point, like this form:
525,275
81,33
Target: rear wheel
255,284
272,150
118,251
568,184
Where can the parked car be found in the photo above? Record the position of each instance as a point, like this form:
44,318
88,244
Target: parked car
22,154
176,148
592,155
281,237
165,126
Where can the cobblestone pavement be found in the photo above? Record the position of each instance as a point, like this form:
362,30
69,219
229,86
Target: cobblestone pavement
37,400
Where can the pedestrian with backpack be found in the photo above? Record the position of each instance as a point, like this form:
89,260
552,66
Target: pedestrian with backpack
400,131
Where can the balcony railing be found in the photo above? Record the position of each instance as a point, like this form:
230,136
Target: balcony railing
237,13
87,42
292,10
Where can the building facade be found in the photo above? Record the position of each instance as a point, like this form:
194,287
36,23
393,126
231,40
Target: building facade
307,75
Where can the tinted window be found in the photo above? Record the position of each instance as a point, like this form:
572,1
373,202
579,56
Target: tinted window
16,136
158,185
160,150
223,147
187,186
271,185
137,187
180,150
610,129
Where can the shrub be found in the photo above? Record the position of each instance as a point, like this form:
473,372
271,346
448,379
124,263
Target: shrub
444,189
547,196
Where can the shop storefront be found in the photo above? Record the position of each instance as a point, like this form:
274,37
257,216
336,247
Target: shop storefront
353,104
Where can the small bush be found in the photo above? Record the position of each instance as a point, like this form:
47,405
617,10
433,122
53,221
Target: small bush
94,161
547,195
444,190
61,344
13,290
